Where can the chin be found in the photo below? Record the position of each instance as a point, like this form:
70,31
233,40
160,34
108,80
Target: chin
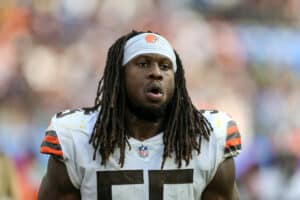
152,112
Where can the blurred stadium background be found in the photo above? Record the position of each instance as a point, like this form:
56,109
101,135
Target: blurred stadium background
240,56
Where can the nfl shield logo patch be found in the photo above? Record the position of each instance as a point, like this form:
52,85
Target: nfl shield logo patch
143,151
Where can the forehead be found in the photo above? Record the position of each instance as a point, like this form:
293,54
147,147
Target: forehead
152,56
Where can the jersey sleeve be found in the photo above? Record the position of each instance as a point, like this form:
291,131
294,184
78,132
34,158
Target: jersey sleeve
58,142
233,143
226,134
225,140
51,145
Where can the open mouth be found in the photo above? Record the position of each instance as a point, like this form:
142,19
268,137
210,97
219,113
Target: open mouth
155,90
154,93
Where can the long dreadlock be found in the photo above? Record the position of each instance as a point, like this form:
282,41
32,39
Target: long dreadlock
183,125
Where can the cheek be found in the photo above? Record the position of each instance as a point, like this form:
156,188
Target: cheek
133,87
132,77
170,87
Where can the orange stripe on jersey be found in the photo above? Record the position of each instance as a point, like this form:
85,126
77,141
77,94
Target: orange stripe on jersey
232,129
233,142
51,139
48,150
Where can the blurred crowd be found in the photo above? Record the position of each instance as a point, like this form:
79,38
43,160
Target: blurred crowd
240,56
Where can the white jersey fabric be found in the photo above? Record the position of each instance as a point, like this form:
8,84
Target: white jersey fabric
141,177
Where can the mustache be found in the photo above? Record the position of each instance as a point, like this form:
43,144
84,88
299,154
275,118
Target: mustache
156,87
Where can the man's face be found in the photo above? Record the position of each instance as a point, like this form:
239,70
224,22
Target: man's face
149,83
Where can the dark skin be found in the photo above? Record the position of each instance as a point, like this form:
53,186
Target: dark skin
56,184
143,71
223,186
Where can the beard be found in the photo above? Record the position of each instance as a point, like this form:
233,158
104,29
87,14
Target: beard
147,113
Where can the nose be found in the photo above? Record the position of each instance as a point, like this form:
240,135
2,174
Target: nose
155,72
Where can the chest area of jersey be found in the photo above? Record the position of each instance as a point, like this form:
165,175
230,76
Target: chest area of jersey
136,184
144,180
141,177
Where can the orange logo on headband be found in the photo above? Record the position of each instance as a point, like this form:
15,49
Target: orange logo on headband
150,38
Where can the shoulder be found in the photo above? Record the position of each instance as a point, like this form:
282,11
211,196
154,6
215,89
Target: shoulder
66,130
217,119
225,132
67,139
218,152
82,120
220,121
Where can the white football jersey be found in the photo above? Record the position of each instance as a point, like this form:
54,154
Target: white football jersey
141,177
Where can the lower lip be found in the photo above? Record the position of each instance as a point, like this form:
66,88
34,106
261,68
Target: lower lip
154,97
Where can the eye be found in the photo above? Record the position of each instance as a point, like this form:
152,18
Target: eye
166,66
143,64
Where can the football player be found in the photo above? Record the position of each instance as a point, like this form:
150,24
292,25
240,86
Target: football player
143,138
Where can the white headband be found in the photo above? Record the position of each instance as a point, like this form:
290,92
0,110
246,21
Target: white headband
148,43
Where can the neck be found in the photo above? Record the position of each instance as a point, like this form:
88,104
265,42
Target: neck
142,129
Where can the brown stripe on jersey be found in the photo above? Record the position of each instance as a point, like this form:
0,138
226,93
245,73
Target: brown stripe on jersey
50,145
233,149
52,149
51,133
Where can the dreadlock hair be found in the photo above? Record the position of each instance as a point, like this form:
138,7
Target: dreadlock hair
184,127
